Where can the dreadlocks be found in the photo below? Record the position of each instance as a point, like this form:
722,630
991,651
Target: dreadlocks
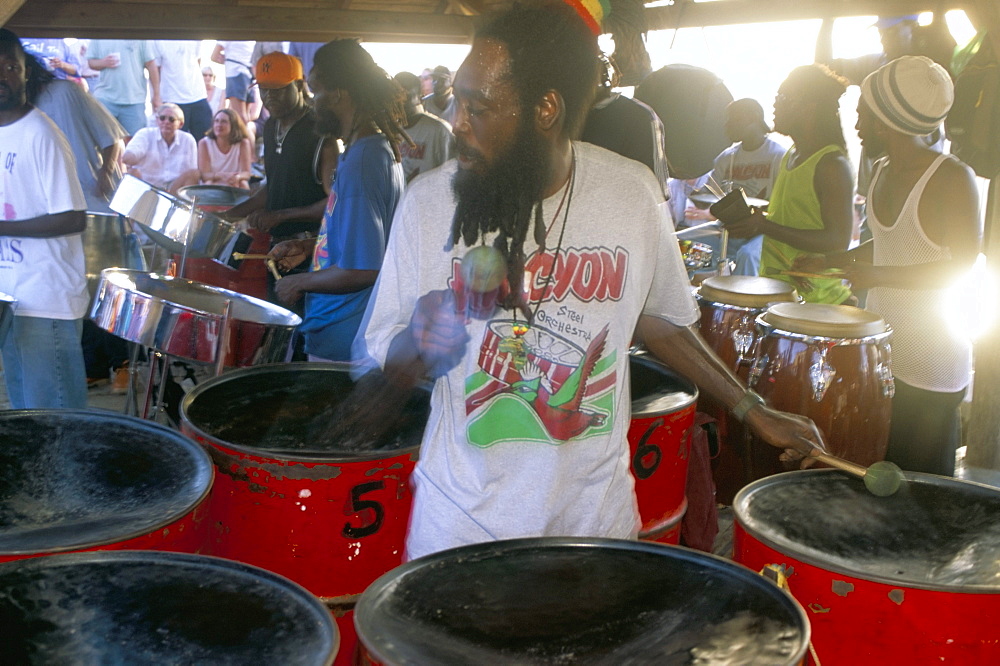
343,64
818,83
550,48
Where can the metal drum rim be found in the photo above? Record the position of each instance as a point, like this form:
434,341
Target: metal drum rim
373,593
649,360
201,285
300,455
322,616
768,329
792,549
203,462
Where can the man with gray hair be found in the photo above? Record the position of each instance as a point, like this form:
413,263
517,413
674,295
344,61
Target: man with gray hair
923,208
164,156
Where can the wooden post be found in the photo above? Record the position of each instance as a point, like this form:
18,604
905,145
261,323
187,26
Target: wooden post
983,433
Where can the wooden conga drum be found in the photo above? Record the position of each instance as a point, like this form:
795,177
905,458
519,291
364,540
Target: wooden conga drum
832,364
730,305
912,578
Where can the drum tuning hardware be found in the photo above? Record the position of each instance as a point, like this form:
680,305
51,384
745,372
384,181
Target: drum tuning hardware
884,371
821,374
743,339
757,370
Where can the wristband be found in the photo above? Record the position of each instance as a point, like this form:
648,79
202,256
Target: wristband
749,400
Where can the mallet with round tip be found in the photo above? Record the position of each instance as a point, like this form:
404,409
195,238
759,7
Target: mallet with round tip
882,478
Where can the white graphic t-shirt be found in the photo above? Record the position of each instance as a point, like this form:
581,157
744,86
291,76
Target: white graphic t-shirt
527,435
45,275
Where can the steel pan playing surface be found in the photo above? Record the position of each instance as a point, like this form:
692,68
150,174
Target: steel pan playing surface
157,608
585,601
79,479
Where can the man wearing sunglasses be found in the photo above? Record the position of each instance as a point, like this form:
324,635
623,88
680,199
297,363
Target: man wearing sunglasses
164,156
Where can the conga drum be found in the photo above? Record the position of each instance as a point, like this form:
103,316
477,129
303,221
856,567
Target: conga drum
729,308
248,277
832,364
663,407
328,516
157,608
578,601
913,578
75,480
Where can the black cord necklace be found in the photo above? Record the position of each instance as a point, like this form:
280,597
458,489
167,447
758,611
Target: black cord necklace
520,328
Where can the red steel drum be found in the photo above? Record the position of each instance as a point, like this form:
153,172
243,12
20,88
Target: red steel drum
251,276
729,307
913,578
663,406
332,520
73,480
157,608
832,364
574,600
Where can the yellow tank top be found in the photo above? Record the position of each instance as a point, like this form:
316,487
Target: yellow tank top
794,204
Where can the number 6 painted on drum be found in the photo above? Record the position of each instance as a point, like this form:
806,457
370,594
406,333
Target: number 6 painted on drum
643,449
358,505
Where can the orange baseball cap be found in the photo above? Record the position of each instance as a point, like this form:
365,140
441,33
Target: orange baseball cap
277,70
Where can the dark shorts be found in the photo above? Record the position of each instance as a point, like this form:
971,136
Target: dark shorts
237,86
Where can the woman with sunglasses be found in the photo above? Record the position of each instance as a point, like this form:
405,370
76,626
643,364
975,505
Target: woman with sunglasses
225,153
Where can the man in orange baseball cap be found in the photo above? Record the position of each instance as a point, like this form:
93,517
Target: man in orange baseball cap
291,202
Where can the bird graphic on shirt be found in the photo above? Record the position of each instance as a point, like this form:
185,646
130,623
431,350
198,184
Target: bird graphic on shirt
559,410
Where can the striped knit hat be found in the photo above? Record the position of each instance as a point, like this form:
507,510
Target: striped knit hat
911,95
593,12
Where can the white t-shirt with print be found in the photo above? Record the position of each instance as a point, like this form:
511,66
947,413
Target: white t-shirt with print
753,170
512,447
45,275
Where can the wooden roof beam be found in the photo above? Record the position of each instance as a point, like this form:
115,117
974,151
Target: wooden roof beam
163,20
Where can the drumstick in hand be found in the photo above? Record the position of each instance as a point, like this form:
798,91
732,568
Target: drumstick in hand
240,256
273,268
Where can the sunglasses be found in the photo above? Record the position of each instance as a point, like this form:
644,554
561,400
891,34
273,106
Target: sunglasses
170,118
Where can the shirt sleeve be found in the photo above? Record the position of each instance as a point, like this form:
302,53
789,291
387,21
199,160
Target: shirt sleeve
395,294
139,144
670,295
190,151
362,239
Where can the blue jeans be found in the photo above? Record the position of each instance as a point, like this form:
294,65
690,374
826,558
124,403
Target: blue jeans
131,116
43,363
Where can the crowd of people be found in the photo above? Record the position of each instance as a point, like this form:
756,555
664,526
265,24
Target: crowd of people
375,188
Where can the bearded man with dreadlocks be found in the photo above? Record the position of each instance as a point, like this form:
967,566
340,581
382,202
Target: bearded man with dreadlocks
355,100
530,405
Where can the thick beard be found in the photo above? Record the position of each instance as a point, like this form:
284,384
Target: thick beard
502,197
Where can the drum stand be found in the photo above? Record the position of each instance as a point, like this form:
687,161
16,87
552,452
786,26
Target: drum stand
162,360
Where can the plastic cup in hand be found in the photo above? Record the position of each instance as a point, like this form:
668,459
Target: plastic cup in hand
115,59
483,274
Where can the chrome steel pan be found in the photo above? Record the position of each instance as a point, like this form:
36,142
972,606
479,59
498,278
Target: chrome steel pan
109,241
184,318
173,223
214,197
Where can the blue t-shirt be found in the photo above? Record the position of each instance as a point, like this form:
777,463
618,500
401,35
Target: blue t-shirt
355,228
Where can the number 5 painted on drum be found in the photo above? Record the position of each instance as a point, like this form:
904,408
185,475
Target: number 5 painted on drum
358,505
